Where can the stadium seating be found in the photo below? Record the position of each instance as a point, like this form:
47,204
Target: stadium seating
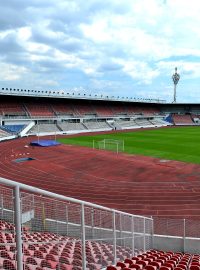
62,109
83,109
70,126
39,110
103,110
13,128
154,260
123,124
182,119
143,122
158,122
44,249
141,109
139,122
46,128
97,125
54,251
4,133
12,108
119,109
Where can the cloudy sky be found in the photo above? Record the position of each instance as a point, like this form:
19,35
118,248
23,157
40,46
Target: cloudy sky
113,47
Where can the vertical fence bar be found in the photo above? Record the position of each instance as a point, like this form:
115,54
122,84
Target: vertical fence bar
114,239
92,222
18,231
184,234
133,236
152,233
2,206
120,228
66,217
144,235
83,236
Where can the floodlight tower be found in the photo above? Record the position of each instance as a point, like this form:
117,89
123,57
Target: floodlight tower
175,78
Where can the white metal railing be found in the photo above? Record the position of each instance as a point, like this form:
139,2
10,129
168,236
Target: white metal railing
39,212
86,223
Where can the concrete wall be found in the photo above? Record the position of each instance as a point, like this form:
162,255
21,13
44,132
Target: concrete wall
176,244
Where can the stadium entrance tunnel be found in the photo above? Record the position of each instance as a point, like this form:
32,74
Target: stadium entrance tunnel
19,160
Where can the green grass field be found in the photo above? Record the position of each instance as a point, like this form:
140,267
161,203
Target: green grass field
181,143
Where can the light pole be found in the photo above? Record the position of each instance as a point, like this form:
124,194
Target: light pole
175,78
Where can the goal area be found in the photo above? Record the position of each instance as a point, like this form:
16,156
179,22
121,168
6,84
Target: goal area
110,145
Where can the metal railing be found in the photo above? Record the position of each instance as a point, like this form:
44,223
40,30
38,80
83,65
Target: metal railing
54,224
177,234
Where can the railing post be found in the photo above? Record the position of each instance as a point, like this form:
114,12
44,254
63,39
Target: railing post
66,217
133,236
18,229
120,228
2,206
144,235
114,239
152,233
184,234
83,236
92,222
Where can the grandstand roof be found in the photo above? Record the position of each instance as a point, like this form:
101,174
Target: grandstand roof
62,94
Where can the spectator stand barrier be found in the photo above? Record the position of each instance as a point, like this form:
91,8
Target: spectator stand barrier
177,235
55,230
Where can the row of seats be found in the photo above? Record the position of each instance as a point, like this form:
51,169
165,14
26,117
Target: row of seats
4,133
11,108
68,126
182,119
75,108
53,251
159,260
13,128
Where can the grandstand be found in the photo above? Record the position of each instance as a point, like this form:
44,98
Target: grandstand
71,114
74,208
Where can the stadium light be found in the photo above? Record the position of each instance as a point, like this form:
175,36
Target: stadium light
175,78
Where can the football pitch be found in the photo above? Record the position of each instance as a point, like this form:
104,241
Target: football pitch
181,143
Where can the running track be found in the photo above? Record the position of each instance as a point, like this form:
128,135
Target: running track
135,184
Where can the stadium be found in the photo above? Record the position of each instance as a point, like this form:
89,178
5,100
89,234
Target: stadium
98,182
99,135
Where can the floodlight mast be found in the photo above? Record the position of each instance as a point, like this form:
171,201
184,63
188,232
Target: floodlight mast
175,78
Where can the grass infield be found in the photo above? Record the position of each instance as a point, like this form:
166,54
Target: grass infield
181,143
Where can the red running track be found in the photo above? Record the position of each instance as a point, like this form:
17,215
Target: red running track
135,184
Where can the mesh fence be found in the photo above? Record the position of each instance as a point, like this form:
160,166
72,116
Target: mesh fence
7,229
177,235
56,233
167,226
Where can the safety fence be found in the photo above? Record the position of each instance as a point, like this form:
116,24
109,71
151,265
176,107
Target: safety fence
174,234
56,231
43,230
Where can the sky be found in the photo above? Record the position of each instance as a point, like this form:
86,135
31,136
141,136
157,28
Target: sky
126,48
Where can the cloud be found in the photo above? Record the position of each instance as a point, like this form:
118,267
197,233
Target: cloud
11,72
130,47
